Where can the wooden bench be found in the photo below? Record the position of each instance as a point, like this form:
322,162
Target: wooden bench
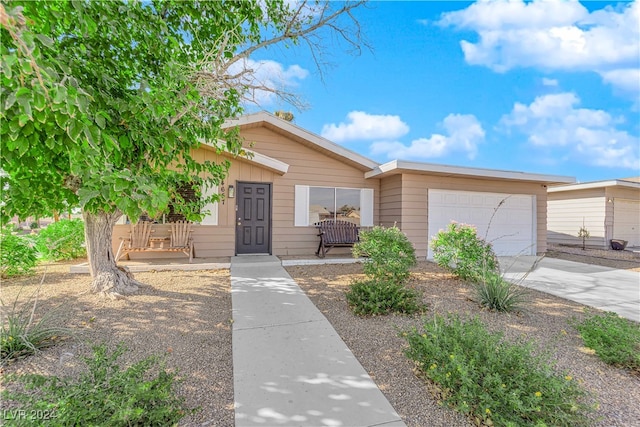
336,233
140,240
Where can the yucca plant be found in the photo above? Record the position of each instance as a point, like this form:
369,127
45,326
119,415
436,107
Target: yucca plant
495,293
24,331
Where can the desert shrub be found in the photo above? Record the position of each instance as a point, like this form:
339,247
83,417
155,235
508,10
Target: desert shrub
459,250
62,240
105,395
18,254
493,381
389,256
25,329
372,297
389,253
495,293
615,340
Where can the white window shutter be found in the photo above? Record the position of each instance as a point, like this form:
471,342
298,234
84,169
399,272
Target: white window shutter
210,218
366,207
301,217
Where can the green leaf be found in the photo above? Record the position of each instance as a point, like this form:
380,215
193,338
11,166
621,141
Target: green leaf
45,40
61,120
74,129
60,96
85,195
120,184
100,121
11,99
23,119
22,144
39,101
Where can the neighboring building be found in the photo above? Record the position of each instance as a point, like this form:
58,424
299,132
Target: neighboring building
608,210
296,178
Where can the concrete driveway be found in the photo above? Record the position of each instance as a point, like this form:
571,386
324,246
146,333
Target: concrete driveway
605,288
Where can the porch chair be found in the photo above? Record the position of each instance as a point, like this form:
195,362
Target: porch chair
137,241
336,233
181,239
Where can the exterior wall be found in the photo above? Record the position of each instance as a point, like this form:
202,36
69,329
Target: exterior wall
391,201
597,205
414,216
616,195
306,167
568,209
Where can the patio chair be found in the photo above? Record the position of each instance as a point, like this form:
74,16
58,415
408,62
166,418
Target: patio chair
137,241
181,239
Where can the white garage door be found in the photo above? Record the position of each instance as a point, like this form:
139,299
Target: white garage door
626,221
509,227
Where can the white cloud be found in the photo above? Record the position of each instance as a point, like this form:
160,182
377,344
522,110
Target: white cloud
463,135
556,123
549,82
268,74
362,125
554,35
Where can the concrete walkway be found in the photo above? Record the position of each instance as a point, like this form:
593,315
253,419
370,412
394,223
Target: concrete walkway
290,367
601,287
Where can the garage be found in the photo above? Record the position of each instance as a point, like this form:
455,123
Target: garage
626,221
507,221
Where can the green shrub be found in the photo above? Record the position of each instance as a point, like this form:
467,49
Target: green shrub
21,334
62,240
371,297
495,293
389,253
459,250
105,395
491,380
18,254
615,340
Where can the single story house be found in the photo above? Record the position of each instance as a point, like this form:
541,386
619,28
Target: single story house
608,210
296,178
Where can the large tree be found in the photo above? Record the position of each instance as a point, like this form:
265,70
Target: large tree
103,102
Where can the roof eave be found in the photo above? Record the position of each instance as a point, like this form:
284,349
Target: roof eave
595,184
400,166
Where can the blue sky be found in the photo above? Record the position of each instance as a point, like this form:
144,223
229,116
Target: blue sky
543,87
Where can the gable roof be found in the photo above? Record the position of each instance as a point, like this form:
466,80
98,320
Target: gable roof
303,137
374,169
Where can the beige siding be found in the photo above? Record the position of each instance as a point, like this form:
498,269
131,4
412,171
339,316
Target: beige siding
568,210
391,201
306,167
415,209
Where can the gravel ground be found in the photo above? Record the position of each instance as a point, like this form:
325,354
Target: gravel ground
186,317
375,342
626,260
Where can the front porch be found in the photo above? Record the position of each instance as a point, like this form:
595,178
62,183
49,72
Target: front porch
214,263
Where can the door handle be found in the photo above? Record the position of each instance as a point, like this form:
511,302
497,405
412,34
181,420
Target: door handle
239,221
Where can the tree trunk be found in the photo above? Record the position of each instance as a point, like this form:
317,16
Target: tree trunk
107,278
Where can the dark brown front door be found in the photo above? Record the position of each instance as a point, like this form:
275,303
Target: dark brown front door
253,225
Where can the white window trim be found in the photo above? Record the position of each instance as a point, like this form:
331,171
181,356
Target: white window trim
301,202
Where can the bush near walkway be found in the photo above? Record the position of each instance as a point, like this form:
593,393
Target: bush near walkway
389,255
